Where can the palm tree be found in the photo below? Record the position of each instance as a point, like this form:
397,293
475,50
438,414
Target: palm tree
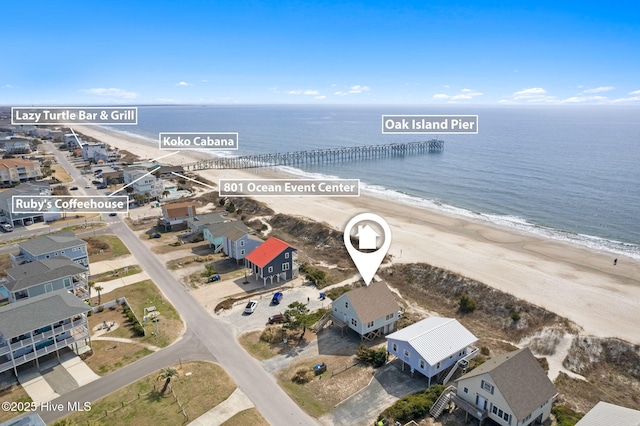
166,374
90,286
99,289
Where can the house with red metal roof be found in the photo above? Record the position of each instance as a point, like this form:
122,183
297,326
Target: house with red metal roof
273,259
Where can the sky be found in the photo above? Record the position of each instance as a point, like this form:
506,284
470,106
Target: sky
319,52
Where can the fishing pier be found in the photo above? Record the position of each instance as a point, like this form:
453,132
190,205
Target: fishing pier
319,156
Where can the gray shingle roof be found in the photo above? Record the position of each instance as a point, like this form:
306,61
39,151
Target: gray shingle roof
42,271
49,243
35,312
372,302
219,229
519,378
609,414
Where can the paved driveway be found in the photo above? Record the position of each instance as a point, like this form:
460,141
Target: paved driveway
242,323
362,408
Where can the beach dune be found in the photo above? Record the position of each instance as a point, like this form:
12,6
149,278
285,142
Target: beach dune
573,281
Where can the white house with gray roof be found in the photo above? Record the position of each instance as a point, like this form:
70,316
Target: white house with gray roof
34,327
237,243
370,311
433,347
25,189
511,389
610,414
52,246
45,276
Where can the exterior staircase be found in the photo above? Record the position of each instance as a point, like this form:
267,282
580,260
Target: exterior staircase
462,362
442,401
322,322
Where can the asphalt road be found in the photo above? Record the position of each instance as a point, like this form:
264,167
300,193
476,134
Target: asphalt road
206,338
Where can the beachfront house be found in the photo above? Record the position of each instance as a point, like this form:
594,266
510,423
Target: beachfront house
273,259
143,182
34,327
72,141
45,276
199,222
27,189
434,347
510,389
62,244
213,233
17,146
238,243
16,170
610,414
370,311
175,216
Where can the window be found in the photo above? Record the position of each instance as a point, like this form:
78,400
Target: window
494,410
422,364
241,242
369,325
270,269
346,304
395,347
438,365
390,316
242,252
406,353
285,266
505,416
67,282
487,386
286,255
465,390
354,322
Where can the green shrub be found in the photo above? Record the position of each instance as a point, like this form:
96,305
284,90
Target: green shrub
415,406
101,308
565,416
515,315
467,304
373,357
314,274
302,376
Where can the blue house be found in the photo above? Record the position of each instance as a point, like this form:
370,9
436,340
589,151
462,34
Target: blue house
273,259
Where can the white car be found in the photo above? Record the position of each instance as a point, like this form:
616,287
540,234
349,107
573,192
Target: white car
251,306
88,185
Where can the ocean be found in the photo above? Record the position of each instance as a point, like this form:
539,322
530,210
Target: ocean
569,173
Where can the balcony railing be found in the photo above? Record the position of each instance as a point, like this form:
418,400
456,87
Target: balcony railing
470,408
7,348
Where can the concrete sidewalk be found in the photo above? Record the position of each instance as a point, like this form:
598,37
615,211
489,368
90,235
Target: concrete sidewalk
80,371
222,412
37,387
112,264
108,286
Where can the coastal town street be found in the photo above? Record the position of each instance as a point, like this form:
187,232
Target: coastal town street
206,338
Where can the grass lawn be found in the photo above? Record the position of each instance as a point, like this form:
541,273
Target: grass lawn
61,174
110,356
14,394
247,417
261,350
110,245
199,387
5,263
142,295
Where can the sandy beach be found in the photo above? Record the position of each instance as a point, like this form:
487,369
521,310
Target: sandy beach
575,282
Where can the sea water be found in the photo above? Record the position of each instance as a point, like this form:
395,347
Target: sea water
570,173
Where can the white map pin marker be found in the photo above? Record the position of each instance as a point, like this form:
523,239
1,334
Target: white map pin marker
367,263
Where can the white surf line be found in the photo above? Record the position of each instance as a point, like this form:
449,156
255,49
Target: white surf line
193,180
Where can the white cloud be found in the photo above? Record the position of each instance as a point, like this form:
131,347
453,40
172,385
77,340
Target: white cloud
441,96
629,99
635,92
599,89
581,99
303,92
446,86
111,93
320,97
205,81
359,89
530,93
340,93
183,84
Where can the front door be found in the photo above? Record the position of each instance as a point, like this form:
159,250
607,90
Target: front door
481,402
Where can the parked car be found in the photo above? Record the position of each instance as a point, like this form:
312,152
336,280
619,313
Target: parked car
7,227
277,297
88,185
73,188
28,222
276,319
113,214
251,307
213,278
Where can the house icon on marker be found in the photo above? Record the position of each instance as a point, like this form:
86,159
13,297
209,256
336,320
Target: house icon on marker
367,238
